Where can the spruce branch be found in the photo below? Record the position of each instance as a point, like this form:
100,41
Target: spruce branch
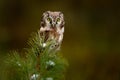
40,61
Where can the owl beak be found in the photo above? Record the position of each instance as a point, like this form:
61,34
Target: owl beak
53,25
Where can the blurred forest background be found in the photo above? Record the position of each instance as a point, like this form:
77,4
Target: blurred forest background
92,34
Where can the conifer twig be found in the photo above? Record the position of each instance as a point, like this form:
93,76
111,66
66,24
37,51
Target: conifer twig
38,62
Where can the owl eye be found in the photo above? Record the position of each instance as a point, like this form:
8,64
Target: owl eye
49,19
58,19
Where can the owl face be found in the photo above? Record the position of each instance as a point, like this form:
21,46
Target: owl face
52,20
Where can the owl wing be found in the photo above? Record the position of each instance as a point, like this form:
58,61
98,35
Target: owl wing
44,35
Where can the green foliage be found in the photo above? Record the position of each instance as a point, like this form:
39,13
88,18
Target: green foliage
38,62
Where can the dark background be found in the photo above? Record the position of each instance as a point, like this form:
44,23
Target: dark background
92,33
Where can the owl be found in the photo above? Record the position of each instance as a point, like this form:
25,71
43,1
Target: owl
52,27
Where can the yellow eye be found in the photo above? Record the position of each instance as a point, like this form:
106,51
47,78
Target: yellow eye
49,19
58,19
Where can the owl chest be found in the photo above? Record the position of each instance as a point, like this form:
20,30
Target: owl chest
53,35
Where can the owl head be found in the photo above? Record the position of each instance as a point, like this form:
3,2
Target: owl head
52,20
